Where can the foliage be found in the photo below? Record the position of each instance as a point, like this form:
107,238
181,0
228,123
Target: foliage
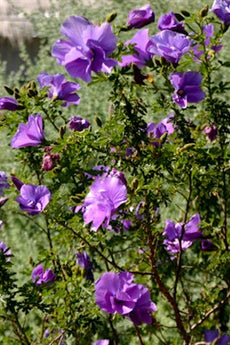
170,176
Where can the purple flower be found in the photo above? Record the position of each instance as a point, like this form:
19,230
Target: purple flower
207,246
117,223
47,333
116,293
141,312
170,127
4,249
3,182
99,169
174,231
154,132
140,17
102,342
208,31
140,41
78,124
59,88
168,21
211,132
127,223
106,194
8,103
169,44
61,333
33,199
221,8
39,276
224,340
30,134
84,262
18,183
88,48
210,336
187,88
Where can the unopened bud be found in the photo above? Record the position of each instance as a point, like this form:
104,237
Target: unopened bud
134,184
49,159
31,85
47,163
8,90
62,131
158,63
17,183
203,12
211,54
16,93
98,121
185,13
163,137
32,93
179,17
164,62
111,17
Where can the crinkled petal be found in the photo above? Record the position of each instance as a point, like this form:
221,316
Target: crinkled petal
60,49
74,28
105,37
78,65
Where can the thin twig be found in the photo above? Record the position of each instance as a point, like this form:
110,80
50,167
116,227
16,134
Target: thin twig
19,330
49,118
164,290
59,337
139,335
115,334
225,210
179,258
211,311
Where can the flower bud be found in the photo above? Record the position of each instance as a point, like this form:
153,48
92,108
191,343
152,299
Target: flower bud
203,12
185,13
8,90
111,17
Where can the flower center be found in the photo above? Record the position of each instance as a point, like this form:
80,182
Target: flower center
31,203
181,93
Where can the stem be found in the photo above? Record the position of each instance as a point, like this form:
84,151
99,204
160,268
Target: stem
57,261
164,290
59,337
95,248
179,257
49,118
139,335
115,335
43,329
19,330
50,241
225,210
216,307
